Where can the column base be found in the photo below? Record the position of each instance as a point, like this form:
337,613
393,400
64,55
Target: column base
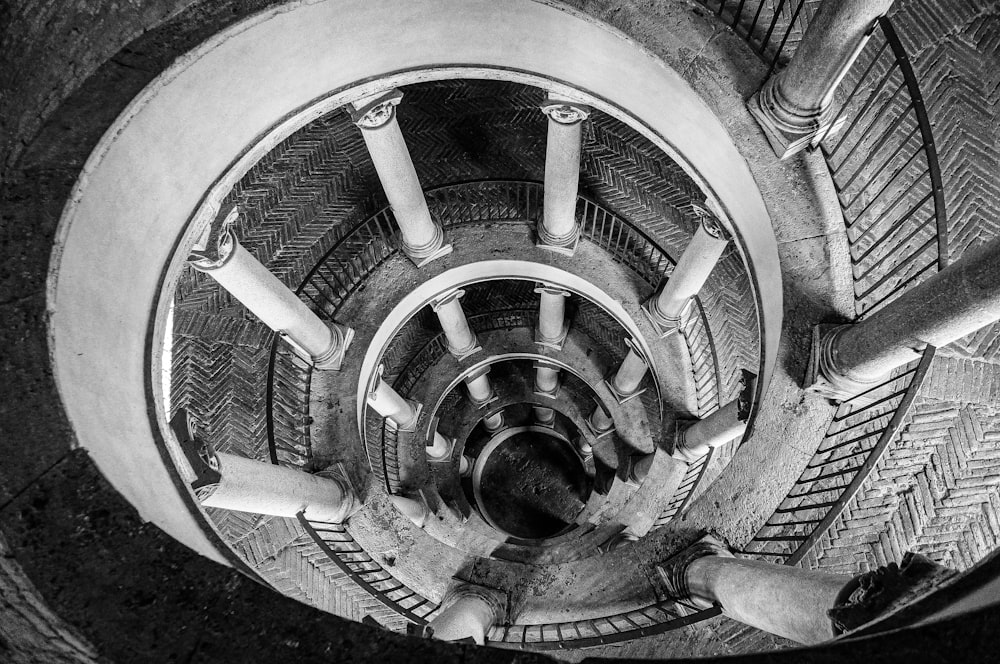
333,359
557,342
822,375
673,571
565,245
788,132
446,457
352,501
436,248
598,434
621,397
461,354
415,509
548,394
410,426
663,325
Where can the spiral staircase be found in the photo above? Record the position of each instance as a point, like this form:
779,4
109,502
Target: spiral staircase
531,497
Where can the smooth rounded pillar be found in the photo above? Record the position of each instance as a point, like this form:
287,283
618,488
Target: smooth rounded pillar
461,339
552,327
388,403
558,229
423,238
469,612
721,427
794,106
441,447
780,599
252,284
494,422
544,415
480,388
600,421
465,466
689,275
957,301
629,376
546,379
246,485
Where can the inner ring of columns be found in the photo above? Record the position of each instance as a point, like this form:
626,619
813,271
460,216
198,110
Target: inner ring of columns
131,443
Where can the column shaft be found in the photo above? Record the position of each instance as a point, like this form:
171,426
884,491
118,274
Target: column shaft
787,601
719,428
494,422
957,301
562,174
546,379
690,273
461,338
470,611
544,415
247,280
441,447
263,488
794,106
630,374
600,420
388,403
423,238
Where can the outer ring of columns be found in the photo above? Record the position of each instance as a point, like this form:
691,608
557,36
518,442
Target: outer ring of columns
482,271
205,138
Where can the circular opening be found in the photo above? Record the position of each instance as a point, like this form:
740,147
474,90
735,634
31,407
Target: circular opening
533,485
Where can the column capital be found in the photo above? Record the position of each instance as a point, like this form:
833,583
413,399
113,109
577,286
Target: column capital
200,455
551,289
824,377
446,297
709,222
218,243
375,111
564,111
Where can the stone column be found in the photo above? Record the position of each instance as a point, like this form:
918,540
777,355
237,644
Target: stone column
546,379
802,605
625,383
246,279
480,388
469,612
494,422
780,599
957,301
721,427
600,421
691,272
461,339
227,481
423,238
552,325
388,403
441,447
794,106
558,230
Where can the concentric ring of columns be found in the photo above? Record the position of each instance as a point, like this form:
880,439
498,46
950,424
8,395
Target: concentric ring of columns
478,272
131,443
